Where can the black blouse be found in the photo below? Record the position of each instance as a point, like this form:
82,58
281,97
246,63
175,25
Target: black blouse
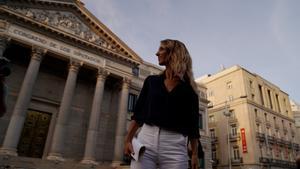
177,110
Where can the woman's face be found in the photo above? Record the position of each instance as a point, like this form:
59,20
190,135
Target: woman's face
162,54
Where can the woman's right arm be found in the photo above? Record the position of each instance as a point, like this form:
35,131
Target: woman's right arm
133,127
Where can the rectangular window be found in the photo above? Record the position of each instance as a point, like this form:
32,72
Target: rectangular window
282,154
132,98
212,133
278,134
277,100
251,84
214,154
266,117
233,130
286,136
270,99
229,85
261,94
269,131
253,96
271,153
200,121
236,153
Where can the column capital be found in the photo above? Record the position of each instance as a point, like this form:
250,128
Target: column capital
102,73
74,65
126,82
37,53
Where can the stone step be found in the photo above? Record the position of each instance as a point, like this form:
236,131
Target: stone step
12,162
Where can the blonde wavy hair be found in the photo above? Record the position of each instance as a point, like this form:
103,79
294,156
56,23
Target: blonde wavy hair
180,62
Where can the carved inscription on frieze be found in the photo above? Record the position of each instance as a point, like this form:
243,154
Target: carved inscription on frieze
56,46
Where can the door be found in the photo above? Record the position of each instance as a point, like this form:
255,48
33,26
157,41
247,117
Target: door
34,134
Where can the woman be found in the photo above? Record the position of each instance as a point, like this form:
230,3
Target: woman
167,109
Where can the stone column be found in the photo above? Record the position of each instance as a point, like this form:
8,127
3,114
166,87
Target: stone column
92,134
58,138
16,123
121,123
3,45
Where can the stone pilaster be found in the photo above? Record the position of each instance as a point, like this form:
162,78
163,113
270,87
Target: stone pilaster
58,138
265,97
91,139
16,123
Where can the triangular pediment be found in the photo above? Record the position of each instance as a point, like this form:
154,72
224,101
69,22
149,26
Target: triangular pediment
74,19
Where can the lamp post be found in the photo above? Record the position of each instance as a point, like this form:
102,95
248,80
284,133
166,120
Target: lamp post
227,113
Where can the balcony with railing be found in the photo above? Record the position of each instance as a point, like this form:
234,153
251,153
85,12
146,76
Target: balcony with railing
213,147
277,162
214,140
258,120
264,160
271,139
280,141
289,144
234,137
296,146
260,136
236,161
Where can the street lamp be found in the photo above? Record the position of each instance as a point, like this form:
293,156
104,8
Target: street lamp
227,113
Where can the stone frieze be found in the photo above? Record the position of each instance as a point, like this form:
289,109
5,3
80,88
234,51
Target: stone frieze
64,21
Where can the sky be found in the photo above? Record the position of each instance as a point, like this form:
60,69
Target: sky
263,36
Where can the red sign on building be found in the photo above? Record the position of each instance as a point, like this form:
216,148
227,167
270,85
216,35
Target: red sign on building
244,144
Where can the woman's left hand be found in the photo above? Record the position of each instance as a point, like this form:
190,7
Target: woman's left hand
194,162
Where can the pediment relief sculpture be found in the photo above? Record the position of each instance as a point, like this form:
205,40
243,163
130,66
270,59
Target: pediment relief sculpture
64,21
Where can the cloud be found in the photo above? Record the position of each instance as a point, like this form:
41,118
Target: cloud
108,12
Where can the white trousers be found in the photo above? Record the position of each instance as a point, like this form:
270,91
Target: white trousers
164,149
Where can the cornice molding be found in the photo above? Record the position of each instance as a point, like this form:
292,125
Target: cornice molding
93,22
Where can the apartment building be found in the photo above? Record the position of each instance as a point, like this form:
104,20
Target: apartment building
206,162
250,121
296,111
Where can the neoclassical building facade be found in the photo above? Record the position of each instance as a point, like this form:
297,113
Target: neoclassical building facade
72,87
71,82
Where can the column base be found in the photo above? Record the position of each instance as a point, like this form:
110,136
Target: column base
8,151
89,161
55,157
